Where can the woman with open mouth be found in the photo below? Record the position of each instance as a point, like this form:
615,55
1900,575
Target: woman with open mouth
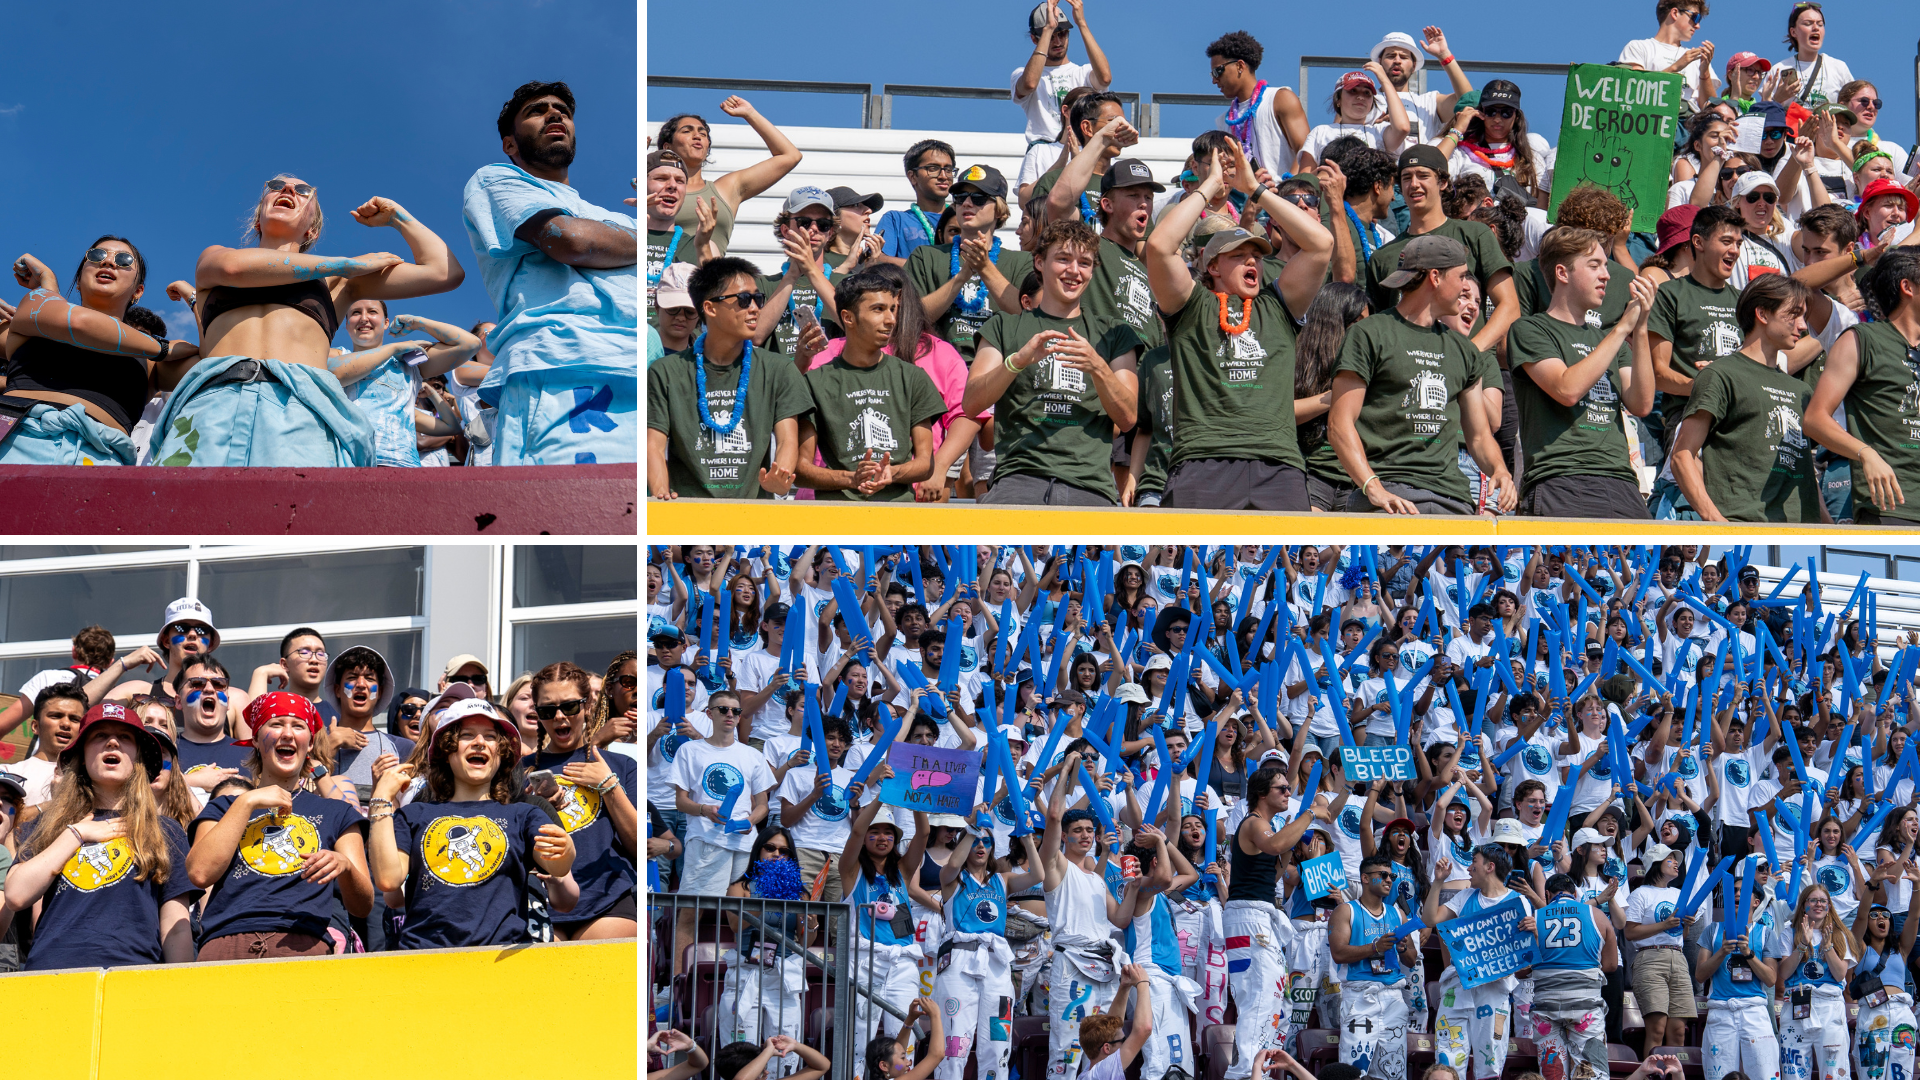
274,856
462,851
590,792
264,392
78,375
107,868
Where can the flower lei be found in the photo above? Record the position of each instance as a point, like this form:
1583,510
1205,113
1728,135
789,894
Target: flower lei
1365,230
972,300
1491,158
1240,125
673,246
1246,316
739,395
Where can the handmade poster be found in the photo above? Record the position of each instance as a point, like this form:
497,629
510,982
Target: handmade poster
1323,876
932,779
1618,132
1366,763
1489,945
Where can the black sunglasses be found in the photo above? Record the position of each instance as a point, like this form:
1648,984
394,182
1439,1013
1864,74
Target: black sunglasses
817,224
1305,200
302,190
750,298
470,680
1696,16
723,710
972,198
408,712
1858,103
1222,67
101,256
1758,196
1498,112
1774,133
570,708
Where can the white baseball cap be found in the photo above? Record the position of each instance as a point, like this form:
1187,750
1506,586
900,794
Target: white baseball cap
188,609
1588,836
1655,853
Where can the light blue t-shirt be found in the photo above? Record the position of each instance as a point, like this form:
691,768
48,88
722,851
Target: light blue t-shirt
655,347
552,316
903,232
387,396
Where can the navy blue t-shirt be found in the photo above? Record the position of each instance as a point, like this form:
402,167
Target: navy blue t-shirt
604,871
262,890
222,754
467,872
98,915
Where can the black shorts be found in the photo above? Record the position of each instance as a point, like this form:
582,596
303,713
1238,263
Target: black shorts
1585,497
1234,484
1020,489
627,907
1327,495
1427,502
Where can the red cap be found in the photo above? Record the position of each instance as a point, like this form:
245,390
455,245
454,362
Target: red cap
1400,823
1884,186
113,712
1355,79
279,703
1747,59
1675,226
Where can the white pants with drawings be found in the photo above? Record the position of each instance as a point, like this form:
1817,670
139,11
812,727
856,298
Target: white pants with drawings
1739,1037
1816,1048
1373,1029
1257,975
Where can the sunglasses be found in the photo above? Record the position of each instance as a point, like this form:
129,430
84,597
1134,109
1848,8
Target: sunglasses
302,190
1758,196
184,629
817,224
1305,200
1218,68
1857,103
972,198
723,710
1696,16
625,682
1498,112
750,298
470,680
101,256
408,712
215,685
1774,133
776,849
569,708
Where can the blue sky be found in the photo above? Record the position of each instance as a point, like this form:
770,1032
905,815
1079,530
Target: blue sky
160,122
1161,48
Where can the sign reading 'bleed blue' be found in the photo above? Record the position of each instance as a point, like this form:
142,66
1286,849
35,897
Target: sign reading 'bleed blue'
1367,763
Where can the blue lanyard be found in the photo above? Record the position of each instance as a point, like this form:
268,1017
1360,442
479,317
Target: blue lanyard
673,246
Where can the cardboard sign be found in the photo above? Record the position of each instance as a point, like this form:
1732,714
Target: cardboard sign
1323,876
1489,945
1366,763
932,779
1618,132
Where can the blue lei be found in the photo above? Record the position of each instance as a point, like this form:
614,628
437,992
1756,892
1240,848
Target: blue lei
972,299
673,245
739,395
1365,231
1086,212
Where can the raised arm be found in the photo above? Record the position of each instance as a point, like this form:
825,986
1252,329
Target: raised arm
742,184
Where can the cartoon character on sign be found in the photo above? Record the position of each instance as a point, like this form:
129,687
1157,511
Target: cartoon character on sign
1608,164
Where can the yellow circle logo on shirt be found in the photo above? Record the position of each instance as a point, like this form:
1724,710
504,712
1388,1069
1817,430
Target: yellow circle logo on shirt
464,850
275,846
579,806
96,866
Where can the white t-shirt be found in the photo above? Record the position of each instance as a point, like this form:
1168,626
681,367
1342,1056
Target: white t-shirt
1462,163
1738,773
1652,54
1834,74
39,777
50,677
1649,904
1040,157
706,772
1374,135
665,749
752,670
1423,112
1043,105
826,824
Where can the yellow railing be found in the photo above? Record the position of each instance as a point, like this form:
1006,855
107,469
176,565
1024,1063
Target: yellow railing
464,1014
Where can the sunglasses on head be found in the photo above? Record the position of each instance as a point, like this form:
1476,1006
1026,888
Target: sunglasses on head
570,708
817,224
302,190
101,256
1759,196
747,299
972,198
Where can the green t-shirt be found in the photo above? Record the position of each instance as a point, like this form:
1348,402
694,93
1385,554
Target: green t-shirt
1536,292
931,266
1758,465
1049,421
702,464
1044,185
1700,323
657,244
1555,440
1883,411
1484,259
876,408
786,334
1119,293
1233,393
1156,413
1410,418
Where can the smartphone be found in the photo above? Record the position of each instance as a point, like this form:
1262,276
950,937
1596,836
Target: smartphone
539,777
803,317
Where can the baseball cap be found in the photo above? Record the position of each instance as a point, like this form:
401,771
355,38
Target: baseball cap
1499,92
1588,836
1754,180
1014,733
113,712
802,197
1674,228
1423,253
667,158
1400,822
1156,662
1753,572
673,291
15,784
982,178
1037,18
476,707
1881,187
1129,172
188,610
1747,59
1354,80
1227,240
1406,42
1133,693
669,631
845,197
1423,155
1654,854
280,703
462,660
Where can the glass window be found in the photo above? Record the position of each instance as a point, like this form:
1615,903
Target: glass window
1907,569
1851,563
401,649
10,552
314,588
590,643
129,602
575,575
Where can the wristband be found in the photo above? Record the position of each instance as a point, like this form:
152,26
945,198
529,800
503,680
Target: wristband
1446,60
606,785
165,346
1369,480
76,835
1006,361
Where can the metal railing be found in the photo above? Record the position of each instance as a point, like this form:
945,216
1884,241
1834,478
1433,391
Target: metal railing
889,91
1418,84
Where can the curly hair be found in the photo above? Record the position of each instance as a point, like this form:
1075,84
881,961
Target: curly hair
603,707
1590,206
446,741
1238,45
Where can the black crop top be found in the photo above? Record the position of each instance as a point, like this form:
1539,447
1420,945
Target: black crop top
117,384
310,297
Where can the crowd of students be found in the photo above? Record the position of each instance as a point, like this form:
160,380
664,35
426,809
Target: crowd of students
167,811
1694,780
1370,314
92,378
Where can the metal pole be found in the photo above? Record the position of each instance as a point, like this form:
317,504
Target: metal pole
840,976
823,963
1303,82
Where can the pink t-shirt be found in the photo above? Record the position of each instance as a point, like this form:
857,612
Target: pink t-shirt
942,363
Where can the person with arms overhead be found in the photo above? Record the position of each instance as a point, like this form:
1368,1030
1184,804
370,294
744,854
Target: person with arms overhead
746,401
930,170
1870,370
1268,122
1407,393
688,135
384,378
1232,334
1354,96
1047,75
1399,59
1061,379
956,280
559,271
1101,130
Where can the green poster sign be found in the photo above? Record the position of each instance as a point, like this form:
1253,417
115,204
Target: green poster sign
1618,132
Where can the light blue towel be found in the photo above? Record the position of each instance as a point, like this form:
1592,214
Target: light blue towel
302,419
53,435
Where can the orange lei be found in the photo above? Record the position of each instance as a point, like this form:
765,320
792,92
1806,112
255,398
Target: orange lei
1246,316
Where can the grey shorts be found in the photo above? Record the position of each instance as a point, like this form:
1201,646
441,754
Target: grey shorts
1585,497
1425,501
1326,495
1866,514
1020,489
1232,484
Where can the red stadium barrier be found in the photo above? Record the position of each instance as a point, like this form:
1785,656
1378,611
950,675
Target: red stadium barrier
534,499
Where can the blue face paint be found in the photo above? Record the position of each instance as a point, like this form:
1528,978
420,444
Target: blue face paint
166,766
178,638
193,696
373,689
223,698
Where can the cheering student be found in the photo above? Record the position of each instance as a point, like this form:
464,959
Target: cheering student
274,856
1108,1055
77,391
929,165
1473,1022
689,137
1088,114
1576,949
1422,173
108,870
1047,75
1821,958
301,669
1660,981
882,884
1234,446
1739,454
813,796
669,244
590,794
1268,122
1884,958
463,849
1408,393
360,686
1692,325
384,378
1399,59
1740,965
747,400
1573,382
1666,50
801,293
1868,371
1061,381
973,978
1083,913
957,279
1147,911
868,402
1373,971
1354,96
1256,960
1120,290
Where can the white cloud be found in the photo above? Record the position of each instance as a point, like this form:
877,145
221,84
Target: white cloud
180,321
11,110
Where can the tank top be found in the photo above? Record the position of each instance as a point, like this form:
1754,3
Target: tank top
977,908
1568,939
1253,876
117,384
869,889
1077,909
689,219
1151,935
930,874
1269,144
1299,907
1813,971
1735,979
311,298
1894,975
1226,781
1366,929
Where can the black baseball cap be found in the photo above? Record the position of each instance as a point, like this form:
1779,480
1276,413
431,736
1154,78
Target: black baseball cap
982,178
1499,92
1129,172
844,197
776,612
1424,154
